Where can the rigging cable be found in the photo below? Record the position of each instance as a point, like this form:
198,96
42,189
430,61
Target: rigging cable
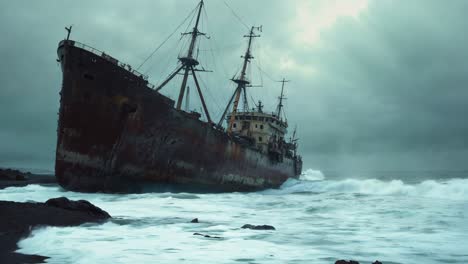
216,65
258,64
264,72
215,101
152,53
238,17
187,40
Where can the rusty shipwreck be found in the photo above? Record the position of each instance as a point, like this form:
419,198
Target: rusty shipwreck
118,133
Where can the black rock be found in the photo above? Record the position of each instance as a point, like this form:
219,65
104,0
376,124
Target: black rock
258,227
80,205
377,262
18,219
16,178
13,175
342,261
195,220
207,236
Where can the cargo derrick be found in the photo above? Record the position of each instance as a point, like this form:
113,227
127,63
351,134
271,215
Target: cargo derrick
118,133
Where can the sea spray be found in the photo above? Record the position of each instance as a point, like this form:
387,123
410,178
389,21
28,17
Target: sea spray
314,181
317,220
312,175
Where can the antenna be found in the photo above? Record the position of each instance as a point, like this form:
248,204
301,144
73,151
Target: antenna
281,98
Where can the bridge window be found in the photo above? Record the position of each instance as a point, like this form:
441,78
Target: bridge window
234,125
256,125
261,126
260,139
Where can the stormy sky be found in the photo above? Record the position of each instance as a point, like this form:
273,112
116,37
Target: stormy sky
375,84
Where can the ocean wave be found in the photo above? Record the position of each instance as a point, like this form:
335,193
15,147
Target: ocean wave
312,175
454,189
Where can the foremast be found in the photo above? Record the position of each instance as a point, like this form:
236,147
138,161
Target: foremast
188,64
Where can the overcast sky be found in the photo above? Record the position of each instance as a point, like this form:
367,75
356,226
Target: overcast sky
375,84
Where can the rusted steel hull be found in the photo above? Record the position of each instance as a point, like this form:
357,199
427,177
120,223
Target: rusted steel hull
117,135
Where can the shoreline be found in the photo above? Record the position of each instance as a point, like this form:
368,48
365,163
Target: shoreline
16,178
19,219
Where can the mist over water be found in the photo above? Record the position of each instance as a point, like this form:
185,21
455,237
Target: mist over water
318,219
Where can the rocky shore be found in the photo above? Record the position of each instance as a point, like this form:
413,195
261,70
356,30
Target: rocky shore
16,178
18,219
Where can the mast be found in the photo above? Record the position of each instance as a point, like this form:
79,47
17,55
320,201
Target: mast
294,141
281,98
68,29
189,61
242,81
260,107
187,99
188,66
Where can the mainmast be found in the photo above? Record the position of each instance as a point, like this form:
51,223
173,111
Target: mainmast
188,66
281,98
242,81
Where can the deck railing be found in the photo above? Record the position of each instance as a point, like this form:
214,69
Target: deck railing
107,57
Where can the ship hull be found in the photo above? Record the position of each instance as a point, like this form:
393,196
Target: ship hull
115,134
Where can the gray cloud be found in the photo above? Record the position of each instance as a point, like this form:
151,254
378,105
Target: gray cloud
386,89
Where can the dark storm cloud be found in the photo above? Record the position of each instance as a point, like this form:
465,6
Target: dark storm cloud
385,88
394,81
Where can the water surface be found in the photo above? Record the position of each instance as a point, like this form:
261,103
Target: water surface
317,220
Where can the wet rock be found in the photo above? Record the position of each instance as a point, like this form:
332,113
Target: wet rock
377,262
80,205
207,236
195,220
342,261
16,178
13,175
258,227
18,219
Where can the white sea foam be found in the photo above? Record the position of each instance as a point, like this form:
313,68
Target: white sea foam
312,175
456,189
317,220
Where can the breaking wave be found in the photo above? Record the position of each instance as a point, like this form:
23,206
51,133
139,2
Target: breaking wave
312,175
313,181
